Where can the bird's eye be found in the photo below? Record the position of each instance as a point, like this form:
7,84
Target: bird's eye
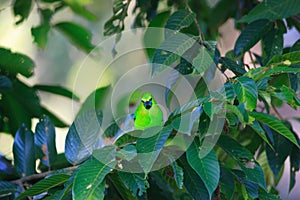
150,99
142,101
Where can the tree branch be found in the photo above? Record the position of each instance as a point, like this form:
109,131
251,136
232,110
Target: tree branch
37,177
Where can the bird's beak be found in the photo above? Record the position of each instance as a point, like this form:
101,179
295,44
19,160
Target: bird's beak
148,104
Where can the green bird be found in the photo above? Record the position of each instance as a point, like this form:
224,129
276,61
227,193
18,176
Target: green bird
148,113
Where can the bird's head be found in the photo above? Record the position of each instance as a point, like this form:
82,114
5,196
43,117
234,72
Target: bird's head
147,100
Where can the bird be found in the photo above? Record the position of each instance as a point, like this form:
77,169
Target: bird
148,113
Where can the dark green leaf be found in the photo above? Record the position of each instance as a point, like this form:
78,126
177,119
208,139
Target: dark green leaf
207,168
170,51
59,90
120,187
177,21
44,139
203,60
276,125
192,181
89,177
260,131
227,63
22,9
24,154
5,84
45,184
244,158
149,148
246,91
127,153
178,173
77,34
263,195
251,35
273,9
80,9
9,190
201,88
82,136
294,165
227,184
134,182
277,156
40,35
16,63
272,44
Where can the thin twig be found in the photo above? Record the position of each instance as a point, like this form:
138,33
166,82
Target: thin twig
222,72
252,60
195,20
277,114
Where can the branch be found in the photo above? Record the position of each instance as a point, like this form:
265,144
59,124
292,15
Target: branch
37,177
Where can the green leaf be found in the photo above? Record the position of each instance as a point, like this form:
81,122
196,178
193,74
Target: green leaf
294,165
276,125
82,136
45,184
184,123
192,181
96,100
234,149
227,63
251,35
7,189
40,35
260,131
134,182
89,177
79,9
77,34
15,63
154,36
187,107
207,168
127,153
277,156
170,51
201,88
272,44
272,10
244,158
23,150
285,60
178,173
227,184
246,91
203,60
5,84
22,9
59,90
120,187
263,195
149,147
44,139
177,21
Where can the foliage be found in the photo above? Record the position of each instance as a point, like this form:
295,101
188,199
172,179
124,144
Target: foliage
232,169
